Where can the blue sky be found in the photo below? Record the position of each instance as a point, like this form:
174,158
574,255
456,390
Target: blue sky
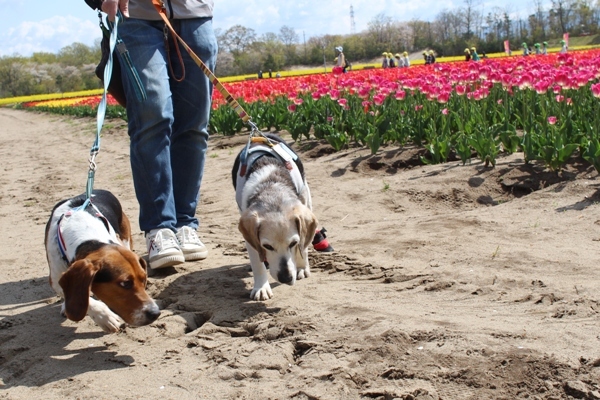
28,26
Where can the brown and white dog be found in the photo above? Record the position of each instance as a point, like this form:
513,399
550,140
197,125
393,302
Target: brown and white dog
88,252
276,221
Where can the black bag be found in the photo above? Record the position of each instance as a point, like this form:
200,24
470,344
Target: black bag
115,86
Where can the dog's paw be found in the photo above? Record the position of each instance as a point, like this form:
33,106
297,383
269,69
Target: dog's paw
303,273
104,317
109,323
262,293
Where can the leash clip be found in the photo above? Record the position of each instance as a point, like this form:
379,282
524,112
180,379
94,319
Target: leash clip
92,160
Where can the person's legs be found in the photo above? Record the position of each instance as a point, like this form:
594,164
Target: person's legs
150,122
191,104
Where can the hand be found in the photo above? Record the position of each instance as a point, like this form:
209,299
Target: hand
110,7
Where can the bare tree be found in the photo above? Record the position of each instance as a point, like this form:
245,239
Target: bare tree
561,12
237,38
288,35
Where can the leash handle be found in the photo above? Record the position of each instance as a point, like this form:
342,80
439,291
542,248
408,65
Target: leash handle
160,7
101,113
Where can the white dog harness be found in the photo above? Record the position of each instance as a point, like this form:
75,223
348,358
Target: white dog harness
66,218
255,150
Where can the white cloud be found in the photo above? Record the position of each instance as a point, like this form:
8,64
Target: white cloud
49,35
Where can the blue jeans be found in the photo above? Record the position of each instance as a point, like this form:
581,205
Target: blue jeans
168,131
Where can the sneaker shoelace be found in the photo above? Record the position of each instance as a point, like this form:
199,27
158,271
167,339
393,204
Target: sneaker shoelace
163,240
189,235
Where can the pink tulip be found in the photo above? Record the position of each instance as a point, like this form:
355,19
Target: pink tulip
443,97
400,95
552,120
596,90
292,108
445,111
378,99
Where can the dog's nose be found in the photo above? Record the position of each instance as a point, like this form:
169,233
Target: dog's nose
284,276
152,313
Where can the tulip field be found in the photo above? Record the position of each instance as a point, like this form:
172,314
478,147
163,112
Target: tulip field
548,107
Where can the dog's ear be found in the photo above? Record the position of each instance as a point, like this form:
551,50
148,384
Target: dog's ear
143,264
306,223
76,284
249,226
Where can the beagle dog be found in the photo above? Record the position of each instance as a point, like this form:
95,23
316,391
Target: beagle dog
276,220
88,247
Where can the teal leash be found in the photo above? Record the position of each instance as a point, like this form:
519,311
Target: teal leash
101,109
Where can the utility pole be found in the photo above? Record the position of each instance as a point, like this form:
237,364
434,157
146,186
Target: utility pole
304,35
352,24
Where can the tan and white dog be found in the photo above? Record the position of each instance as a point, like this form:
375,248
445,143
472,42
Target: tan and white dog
88,252
276,221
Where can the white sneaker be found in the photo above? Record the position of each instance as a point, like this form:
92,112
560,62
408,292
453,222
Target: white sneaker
163,249
189,243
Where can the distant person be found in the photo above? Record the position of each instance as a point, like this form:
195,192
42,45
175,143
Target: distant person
385,62
483,55
564,48
277,75
545,48
538,49
405,60
425,57
431,57
341,59
474,54
399,61
392,61
260,75
270,73
525,49
467,55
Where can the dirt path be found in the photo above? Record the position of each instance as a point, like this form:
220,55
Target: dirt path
449,282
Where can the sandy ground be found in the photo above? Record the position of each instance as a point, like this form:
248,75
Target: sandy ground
448,282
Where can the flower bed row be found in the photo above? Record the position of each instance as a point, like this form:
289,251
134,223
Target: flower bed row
545,106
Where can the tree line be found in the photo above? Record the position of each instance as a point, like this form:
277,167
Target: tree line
243,51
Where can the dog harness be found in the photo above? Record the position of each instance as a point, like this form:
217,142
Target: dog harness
258,148
65,218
